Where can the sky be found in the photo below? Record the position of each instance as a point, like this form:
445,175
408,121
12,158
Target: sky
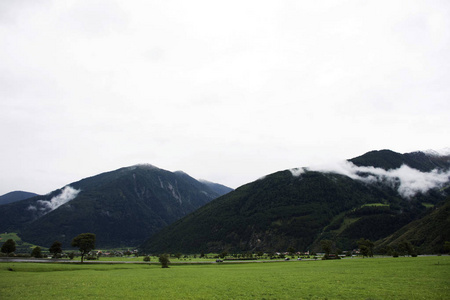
226,91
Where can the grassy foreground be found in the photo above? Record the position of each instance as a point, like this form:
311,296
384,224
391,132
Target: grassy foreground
380,278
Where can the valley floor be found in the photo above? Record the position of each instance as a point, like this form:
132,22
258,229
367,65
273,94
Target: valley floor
382,278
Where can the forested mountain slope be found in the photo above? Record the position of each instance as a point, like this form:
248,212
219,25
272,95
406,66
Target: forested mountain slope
121,207
298,208
427,234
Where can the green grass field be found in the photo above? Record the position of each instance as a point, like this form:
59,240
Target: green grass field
153,259
21,246
375,278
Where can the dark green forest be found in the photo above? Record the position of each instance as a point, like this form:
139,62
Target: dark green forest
282,211
171,212
121,207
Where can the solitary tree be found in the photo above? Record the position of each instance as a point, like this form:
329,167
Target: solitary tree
405,247
37,252
223,254
85,242
9,247
164,260
326,246
366,247
55,248
291,250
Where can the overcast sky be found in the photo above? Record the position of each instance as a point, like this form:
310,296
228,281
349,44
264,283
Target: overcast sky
226,91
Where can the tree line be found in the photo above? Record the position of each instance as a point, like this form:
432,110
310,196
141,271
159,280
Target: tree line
85,242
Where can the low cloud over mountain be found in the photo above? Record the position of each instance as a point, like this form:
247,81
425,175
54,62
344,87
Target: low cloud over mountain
370,196
68,193
408,181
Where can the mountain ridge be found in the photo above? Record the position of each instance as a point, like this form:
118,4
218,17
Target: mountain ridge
298,208
15,196
123,207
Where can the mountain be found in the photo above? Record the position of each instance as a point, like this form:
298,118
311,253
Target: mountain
371,196
427,234
387,159
122,207
216,187
15,196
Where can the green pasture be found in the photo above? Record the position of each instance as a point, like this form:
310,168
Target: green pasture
21,246
374,205
374,278
152,259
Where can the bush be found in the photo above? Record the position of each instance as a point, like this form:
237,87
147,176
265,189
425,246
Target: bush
71,255
147,258
164,260
37,252
395,254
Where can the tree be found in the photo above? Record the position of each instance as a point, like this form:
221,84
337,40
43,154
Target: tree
326,246
366,247
37,252
85,242
164,260
55,248
447,247
405,247
291,250
9,247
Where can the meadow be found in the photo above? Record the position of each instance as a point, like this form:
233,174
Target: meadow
374,278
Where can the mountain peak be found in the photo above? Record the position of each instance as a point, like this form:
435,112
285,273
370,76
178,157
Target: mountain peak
370,196
440,152
143,166
123,207
15,196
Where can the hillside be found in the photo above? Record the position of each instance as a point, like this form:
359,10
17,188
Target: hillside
427,234
15,196
298,208
121,207
387,159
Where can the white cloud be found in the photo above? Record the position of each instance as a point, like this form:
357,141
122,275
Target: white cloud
407,180
440,152
297,171
67,194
